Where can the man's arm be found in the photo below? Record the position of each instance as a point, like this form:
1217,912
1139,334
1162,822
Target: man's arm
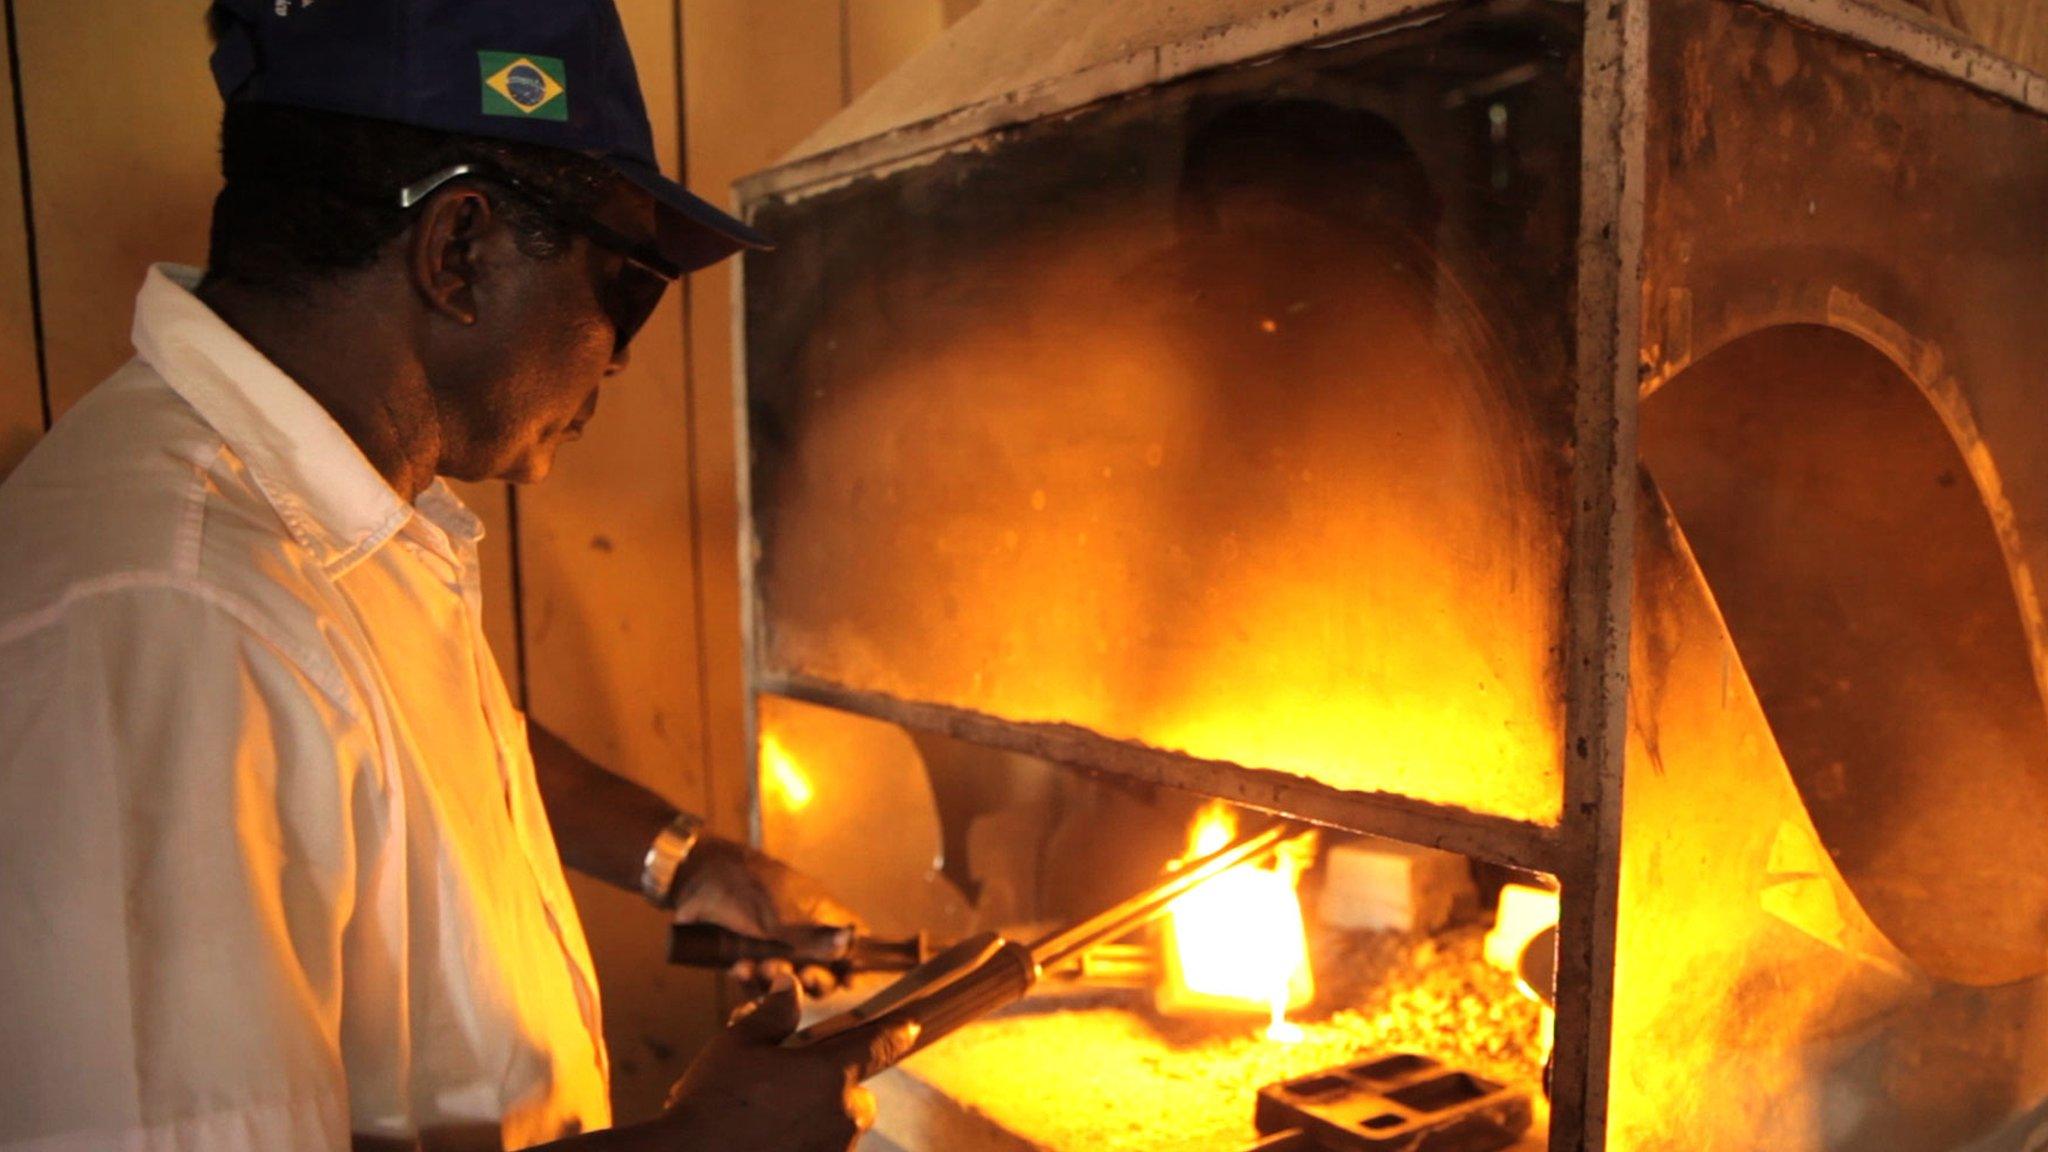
604,826
185,805
604,823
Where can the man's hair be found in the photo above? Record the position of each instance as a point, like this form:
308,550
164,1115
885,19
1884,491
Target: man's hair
309,195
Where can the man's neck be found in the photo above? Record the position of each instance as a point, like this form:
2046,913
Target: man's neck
344,351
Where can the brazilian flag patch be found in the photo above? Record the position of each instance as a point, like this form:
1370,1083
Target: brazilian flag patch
515,84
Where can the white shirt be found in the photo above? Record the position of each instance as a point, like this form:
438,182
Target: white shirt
275,867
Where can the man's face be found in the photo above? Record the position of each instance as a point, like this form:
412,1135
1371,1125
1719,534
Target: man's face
527,375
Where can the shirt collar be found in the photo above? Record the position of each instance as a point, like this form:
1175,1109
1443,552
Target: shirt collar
441,508
329,496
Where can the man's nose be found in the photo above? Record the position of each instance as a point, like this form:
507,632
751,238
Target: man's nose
622,355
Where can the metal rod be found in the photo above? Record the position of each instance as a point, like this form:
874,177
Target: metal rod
1531,847
1120,918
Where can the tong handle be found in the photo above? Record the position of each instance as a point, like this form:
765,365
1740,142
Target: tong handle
709,946
955,988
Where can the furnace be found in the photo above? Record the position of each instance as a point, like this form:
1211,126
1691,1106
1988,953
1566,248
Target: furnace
1159,401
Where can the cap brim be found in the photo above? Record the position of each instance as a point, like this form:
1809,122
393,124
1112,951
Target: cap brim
690,231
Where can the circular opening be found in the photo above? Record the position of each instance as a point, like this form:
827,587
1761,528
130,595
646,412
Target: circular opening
1855,563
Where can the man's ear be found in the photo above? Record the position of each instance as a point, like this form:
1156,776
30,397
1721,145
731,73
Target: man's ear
447,250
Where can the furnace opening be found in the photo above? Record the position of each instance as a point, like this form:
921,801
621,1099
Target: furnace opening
1339,953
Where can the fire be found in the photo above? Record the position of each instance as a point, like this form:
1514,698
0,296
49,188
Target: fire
1237,942
782,778
1525,913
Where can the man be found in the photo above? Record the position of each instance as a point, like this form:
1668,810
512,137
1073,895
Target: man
283,869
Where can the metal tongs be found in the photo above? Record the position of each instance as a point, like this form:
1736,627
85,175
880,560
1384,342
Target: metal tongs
989,971
845,951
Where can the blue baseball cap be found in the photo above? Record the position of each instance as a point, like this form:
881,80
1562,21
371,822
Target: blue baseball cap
556,73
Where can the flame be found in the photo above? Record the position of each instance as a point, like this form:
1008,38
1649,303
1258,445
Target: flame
1214,829
781,777
1524,911
1237,941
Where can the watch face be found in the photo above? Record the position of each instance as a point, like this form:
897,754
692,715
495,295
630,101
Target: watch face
665,859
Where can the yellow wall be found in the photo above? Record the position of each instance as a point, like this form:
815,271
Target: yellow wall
616,578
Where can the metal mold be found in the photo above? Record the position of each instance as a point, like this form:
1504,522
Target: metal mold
1403,1102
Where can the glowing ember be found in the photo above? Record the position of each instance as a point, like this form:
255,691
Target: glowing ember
1236,943
782,779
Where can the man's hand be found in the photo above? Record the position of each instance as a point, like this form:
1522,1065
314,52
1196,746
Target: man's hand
604,823
747,1093
741,890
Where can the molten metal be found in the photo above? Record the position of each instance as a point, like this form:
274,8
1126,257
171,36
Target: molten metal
1236,944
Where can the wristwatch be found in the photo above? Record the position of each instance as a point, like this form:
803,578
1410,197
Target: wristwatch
665,858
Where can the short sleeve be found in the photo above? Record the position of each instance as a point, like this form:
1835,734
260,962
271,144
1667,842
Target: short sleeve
176,882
